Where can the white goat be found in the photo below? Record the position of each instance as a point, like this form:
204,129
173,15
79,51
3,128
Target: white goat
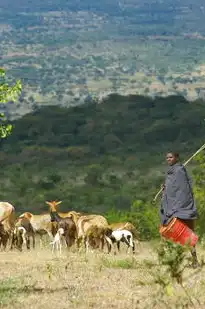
57,240
125,236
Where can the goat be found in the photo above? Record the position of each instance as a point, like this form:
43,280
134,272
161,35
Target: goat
57,240
126,226
7,220
86,223
41,224
22,232
95,237
125,236
19,237
66,223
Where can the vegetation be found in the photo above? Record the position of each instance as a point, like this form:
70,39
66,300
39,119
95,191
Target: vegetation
67,51
101,158
7,93
169,275
97,280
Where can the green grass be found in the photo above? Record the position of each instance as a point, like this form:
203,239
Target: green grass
9,290
125,263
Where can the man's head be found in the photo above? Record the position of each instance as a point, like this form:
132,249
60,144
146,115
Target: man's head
172,158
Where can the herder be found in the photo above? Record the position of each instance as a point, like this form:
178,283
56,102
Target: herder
177,199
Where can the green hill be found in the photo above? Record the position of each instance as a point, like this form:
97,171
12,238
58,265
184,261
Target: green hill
96,157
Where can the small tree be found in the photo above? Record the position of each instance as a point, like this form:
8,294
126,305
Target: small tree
94,174
199,193
7,93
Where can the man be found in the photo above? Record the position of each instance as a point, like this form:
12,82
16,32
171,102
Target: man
178,200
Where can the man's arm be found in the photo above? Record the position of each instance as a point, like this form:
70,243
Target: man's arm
183,189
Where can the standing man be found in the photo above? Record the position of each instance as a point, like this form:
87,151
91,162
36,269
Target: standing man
178,200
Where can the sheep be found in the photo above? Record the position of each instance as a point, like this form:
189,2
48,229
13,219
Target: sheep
118,236
57,240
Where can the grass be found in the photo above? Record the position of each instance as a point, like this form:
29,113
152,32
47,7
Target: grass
9,288
38,279
126,263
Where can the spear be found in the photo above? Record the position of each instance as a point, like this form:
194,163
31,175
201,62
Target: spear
185,163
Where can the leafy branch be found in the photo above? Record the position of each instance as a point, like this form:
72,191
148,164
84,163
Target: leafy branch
7,93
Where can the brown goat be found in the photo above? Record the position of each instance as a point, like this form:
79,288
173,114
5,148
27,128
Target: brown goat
70,231
22,232
7,219
96,236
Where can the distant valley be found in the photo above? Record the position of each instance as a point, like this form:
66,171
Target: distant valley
70,52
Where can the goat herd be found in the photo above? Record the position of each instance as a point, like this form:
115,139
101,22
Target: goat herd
72,228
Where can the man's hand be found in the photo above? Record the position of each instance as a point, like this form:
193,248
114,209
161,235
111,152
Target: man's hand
163,186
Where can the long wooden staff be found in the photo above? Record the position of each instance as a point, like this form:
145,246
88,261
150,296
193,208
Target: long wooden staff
185,163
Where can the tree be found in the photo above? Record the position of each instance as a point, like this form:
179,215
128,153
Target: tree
145,217
7,93
94,174
199,192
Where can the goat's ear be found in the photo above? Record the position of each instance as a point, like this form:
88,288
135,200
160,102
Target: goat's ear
26,215
29,215
48,203
59,202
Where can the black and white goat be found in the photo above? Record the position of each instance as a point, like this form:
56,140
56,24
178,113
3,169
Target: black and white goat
125,236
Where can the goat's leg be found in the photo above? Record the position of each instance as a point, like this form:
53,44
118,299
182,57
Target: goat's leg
10,239
5,240
109,247
41,241
87,244
69,240
128,249
78,240
133,248
19,241
137,244
50,235
102,243
109,244
28,242
34,241
53,245
12,242
118,246
60,247
64,241
84,241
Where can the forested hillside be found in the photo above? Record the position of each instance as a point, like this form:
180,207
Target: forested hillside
98,157
118,126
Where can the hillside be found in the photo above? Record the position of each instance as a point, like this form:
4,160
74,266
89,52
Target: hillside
97,157
68,51
120,125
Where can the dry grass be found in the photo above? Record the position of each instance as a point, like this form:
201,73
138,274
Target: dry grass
39,280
